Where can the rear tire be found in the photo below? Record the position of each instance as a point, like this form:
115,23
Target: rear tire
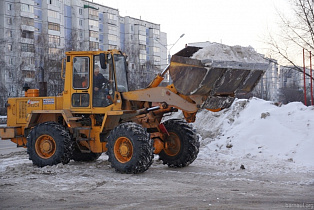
49,143
130,149
84,157
182,146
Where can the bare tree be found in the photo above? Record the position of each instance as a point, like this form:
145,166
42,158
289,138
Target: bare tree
135,69
291,93
262,89
72,43
297,32
49,64
3,89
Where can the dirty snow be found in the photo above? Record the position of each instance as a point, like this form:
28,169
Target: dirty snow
221,52
259,135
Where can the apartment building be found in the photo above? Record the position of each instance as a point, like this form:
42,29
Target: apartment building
268,86
141,39
34,34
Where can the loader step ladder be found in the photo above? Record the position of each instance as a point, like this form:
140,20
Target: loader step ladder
78,137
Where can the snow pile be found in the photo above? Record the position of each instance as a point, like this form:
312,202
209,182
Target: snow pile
221,52
260,131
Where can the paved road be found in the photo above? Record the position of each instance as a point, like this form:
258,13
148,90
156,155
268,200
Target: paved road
202,185
7,146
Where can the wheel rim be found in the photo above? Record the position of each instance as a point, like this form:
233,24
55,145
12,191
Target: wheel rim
172,144
123,149
45,146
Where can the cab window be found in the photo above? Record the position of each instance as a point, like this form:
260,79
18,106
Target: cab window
80,72
121,73
103,82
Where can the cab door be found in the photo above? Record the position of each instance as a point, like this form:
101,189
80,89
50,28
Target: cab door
103,85
81,97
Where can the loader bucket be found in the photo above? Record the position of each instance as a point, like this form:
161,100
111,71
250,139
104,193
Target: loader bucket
219,80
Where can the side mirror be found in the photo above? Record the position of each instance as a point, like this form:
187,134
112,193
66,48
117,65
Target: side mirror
103,61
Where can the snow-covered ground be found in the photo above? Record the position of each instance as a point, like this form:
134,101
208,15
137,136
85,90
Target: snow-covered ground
259,135
274,144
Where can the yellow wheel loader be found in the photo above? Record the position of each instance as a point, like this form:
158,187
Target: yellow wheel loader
96,113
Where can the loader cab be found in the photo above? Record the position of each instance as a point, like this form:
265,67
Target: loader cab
95,79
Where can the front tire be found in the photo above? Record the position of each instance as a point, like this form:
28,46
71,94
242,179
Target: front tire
181,146
49,143
130,149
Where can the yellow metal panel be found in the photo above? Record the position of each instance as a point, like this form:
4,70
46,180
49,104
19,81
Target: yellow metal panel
49,103
21,110
10,132
20,141
11,112
59,102
35,103
160,94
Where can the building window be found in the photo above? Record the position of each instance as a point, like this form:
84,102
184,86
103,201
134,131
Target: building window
93,34
28,34
9,7
53,39
113,38
112,47
156,50
142,38
112,16
93,23
10,34
9,21
80,11
54,2
142,56
142,47
93,14
54,26
10,47
27,8
156,32
28,60
53,51
94,45
10,60
53,14
27,47
27,21
156,59
81,22
112,28
28,74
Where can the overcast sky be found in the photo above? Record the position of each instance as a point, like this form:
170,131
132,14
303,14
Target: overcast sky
231,22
